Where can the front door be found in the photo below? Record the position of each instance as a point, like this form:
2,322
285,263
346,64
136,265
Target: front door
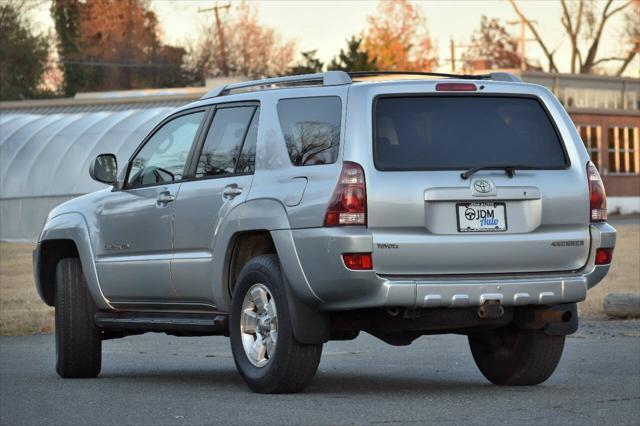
222,179
135,247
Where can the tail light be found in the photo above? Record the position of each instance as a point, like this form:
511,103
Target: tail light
597,196
348,205
604,256
358,261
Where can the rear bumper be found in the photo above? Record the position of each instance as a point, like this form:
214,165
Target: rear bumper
338,288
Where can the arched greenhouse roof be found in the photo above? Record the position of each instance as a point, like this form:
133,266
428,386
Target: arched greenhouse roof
46,148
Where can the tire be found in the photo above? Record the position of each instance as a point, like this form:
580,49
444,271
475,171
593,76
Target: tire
516,357
78,342
287,365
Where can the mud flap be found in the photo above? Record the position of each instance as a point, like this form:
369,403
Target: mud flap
310,326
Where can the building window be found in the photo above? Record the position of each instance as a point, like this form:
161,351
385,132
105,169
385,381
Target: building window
624,150
579,97
592,139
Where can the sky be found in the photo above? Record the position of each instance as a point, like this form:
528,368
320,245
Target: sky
326,24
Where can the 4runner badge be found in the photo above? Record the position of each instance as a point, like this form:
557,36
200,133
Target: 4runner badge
567,243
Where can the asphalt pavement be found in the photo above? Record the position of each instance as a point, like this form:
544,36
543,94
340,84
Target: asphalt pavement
157,379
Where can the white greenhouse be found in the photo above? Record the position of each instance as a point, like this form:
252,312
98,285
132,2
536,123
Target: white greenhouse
46,147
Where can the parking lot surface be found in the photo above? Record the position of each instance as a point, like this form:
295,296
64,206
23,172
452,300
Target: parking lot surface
158,379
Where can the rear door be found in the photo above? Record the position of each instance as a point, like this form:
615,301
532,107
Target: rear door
427,219
221,180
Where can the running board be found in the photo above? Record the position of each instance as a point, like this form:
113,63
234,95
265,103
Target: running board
212,324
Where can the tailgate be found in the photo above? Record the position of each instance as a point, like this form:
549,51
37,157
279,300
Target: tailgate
427,219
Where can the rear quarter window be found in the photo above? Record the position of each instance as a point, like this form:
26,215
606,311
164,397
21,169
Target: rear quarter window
459,132
311,129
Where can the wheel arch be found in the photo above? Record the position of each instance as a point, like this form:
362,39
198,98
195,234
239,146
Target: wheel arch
63,236
262,227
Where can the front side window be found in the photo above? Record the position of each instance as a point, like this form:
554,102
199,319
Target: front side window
224,141
311,129
164,156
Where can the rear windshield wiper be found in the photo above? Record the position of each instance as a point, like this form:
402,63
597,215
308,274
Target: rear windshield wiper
509,169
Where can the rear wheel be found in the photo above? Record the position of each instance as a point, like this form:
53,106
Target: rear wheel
265,351
78,342
516,357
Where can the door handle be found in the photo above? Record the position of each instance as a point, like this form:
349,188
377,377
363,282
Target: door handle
165,197
231,191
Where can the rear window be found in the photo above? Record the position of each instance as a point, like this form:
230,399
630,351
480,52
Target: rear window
460,132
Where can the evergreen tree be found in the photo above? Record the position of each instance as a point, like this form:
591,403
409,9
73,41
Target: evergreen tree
353,59
309,65
23,55
66,16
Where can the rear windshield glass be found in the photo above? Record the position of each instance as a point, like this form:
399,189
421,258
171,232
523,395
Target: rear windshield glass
460,132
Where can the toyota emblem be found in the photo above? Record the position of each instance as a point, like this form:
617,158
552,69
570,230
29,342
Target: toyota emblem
483,186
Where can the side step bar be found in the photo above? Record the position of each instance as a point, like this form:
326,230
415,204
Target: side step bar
209,324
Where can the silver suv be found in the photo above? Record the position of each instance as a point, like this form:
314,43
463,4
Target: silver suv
287,212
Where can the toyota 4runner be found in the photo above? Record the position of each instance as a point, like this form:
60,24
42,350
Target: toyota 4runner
288,212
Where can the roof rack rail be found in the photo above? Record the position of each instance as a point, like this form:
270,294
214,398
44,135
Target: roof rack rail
329,78
418,73
505,76
336,78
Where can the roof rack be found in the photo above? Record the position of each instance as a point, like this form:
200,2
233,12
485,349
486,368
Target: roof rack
336,78
496,76
357,74
329,78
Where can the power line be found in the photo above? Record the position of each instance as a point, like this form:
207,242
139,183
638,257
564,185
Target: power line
117,64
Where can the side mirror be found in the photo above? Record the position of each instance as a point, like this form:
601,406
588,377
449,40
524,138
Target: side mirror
104,169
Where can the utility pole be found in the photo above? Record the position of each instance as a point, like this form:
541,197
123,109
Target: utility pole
452,51
220,35
452,48
522,40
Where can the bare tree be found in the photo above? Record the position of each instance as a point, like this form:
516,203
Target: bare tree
630,36
252,49
584,25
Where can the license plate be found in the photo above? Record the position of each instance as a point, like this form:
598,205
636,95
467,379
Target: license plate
481,217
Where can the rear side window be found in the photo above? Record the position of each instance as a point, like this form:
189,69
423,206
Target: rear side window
311,129
224,141
460,132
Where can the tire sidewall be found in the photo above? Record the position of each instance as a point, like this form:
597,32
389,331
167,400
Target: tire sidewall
258,271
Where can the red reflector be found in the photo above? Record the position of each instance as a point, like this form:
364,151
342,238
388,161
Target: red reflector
604,256
456,87
358,261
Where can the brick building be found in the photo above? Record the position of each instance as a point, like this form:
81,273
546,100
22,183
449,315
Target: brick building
606,112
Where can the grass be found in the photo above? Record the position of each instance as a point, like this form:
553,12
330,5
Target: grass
22,311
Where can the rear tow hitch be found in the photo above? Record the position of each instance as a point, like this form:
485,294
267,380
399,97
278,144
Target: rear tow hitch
491,309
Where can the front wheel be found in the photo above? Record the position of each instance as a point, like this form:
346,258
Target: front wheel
516,357
266,353
78,342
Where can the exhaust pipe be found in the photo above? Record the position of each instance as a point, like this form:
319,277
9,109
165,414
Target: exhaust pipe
550,316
